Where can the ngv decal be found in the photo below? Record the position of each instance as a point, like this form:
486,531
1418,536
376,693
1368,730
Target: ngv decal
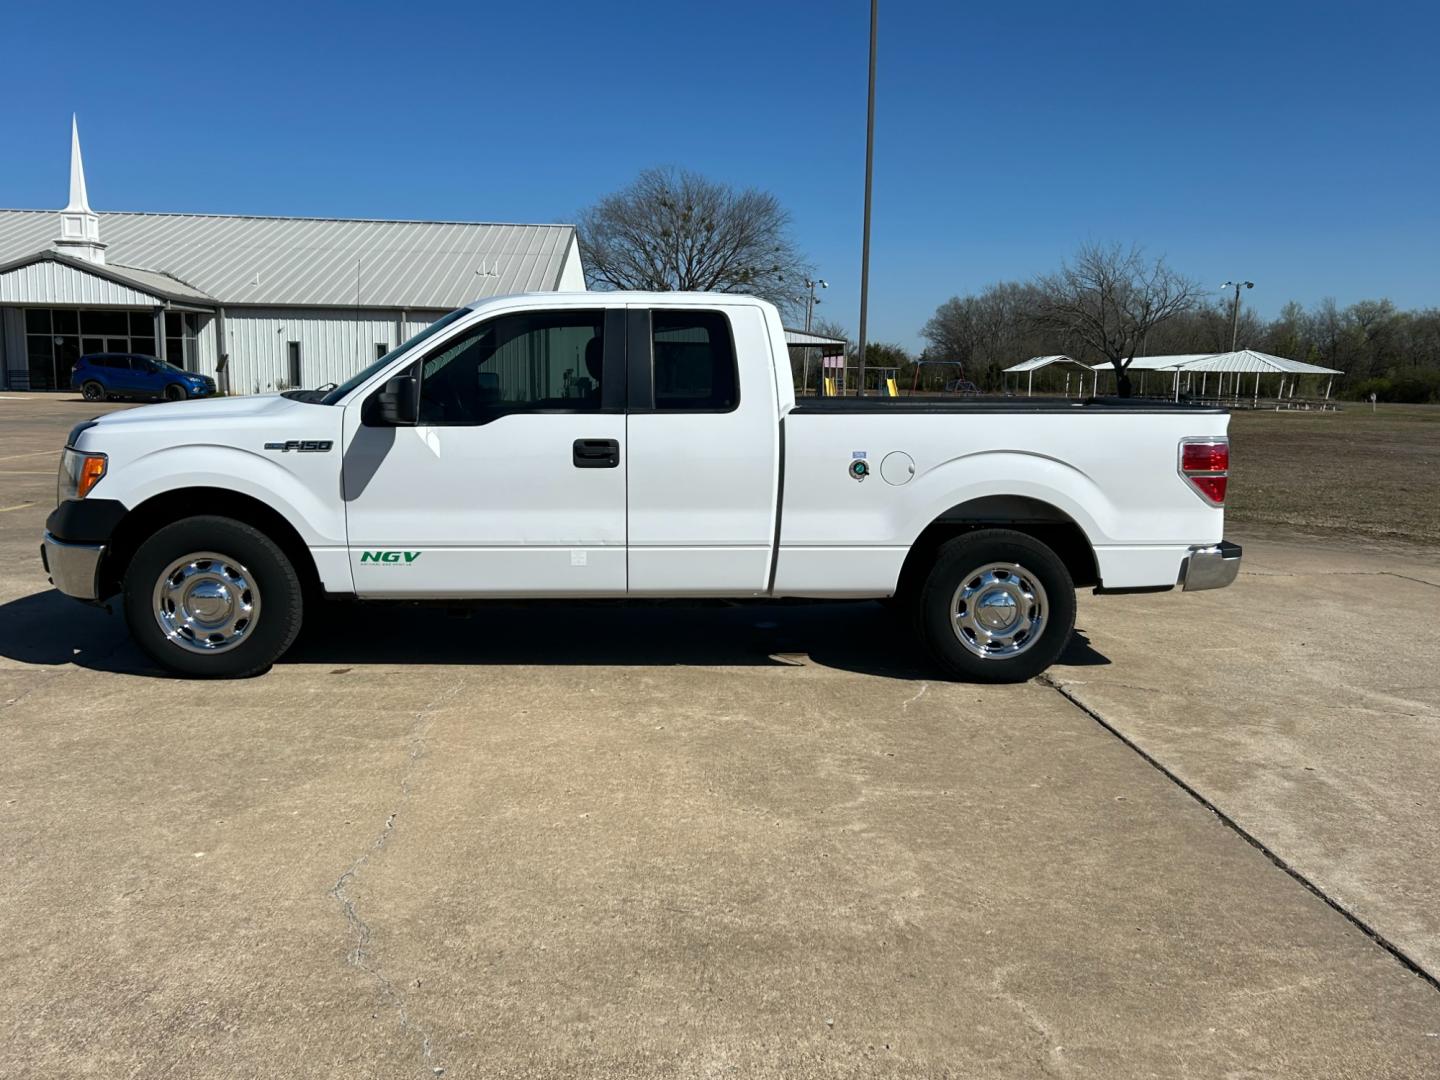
403,557
303,446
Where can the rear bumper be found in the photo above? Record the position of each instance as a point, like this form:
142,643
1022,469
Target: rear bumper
1211,567
74,568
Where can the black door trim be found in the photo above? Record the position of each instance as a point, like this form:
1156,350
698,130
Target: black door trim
613,376
639,363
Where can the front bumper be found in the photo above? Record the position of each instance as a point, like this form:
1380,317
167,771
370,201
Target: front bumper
1211,567
74,569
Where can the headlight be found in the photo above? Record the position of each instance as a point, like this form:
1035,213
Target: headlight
79,472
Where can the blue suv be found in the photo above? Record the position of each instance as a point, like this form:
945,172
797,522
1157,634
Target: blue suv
131,375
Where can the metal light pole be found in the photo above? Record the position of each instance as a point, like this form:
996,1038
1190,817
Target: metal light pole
813,300
869,170
1235,307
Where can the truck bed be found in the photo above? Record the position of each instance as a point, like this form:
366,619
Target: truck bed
920,403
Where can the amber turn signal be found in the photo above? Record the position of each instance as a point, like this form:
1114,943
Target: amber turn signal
92,468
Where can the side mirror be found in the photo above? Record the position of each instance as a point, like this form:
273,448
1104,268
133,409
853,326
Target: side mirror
400,402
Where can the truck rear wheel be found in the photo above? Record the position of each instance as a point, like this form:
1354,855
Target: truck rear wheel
211,596
998,606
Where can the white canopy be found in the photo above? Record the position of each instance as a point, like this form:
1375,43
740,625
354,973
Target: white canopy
1248,360
1035,363
1154,363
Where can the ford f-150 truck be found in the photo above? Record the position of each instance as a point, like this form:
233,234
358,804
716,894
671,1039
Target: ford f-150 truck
612,444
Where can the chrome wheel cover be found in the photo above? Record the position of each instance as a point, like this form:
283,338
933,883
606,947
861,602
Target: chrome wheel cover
206,602
999,611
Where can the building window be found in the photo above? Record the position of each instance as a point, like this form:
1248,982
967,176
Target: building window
293,349
181,329
694,361
56,337
381,349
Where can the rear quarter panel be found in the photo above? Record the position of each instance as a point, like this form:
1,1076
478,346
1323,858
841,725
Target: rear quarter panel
1112,472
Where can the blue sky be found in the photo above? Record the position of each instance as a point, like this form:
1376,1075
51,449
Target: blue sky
1295,144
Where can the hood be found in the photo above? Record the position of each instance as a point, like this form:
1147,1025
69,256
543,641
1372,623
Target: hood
217,410
245,423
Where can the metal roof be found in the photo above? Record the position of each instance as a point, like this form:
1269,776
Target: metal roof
1154,363
161,286
804,338
319,262
1248,360
1035,363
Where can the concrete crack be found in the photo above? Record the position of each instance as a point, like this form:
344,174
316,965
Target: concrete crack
1340,573
360,956
1055,1053
919,694
1406,961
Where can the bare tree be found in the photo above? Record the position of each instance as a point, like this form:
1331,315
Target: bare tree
1109,298
675,230
986,332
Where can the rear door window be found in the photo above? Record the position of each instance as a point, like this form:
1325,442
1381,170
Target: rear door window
694,361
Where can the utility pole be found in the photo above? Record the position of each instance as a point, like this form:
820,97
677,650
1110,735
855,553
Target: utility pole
1235,307
869,170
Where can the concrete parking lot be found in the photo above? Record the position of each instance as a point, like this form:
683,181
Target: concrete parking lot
724,841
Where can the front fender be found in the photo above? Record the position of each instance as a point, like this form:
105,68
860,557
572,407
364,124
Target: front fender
302,488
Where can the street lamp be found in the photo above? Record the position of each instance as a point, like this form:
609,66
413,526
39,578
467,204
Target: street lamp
812,300
1235,307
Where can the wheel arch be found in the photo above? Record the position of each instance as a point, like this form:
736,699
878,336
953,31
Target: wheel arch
1042,520
170,506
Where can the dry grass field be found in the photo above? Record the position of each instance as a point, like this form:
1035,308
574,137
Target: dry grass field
1350,472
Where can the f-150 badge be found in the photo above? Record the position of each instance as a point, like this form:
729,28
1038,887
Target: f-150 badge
303,446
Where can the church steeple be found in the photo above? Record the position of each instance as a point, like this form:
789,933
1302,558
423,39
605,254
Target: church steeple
79,225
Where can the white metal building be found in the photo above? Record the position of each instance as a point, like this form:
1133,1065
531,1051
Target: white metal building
259,303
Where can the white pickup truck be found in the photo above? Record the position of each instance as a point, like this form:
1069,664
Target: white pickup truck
630,445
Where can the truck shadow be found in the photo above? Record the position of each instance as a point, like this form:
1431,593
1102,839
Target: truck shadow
863,637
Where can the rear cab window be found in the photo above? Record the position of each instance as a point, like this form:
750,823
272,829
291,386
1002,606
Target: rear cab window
694,356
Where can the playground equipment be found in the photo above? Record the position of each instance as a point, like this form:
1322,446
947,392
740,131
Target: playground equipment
887,377
958,376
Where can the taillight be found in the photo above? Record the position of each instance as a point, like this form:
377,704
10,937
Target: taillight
1205,464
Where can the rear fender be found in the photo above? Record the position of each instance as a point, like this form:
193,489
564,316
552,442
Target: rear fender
1009,473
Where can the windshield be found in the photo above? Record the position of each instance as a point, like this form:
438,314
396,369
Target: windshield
355,380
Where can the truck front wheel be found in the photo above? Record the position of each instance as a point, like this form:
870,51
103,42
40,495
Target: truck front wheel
998,606
211,596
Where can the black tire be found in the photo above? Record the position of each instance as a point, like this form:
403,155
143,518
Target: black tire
957,563
269,570
92,391
174,392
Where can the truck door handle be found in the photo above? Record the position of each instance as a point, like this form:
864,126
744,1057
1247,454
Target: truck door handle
597,453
